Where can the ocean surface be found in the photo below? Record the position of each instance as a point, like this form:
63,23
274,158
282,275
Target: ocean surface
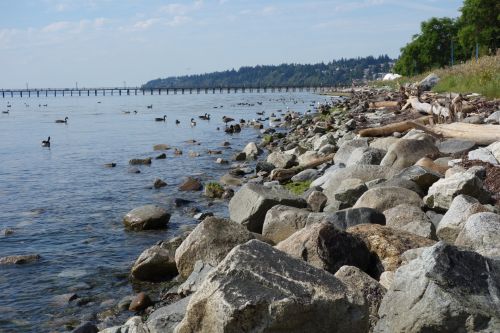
65,205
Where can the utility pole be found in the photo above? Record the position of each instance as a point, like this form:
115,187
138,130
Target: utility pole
477,51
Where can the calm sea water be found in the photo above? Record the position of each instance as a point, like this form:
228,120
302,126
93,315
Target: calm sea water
63,204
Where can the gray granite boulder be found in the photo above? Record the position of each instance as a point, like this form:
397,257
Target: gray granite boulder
326,247
281,160
157,263
166,318
421,176
406,152
444,290
250,204
383,198
209,242
442,192
346,149
481,233
146,217
308,174
257,288
453,221
365,155
410,218
373,292
455,147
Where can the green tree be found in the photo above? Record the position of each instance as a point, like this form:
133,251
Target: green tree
429,49
480,22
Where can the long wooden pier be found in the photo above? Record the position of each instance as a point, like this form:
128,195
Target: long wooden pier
127,91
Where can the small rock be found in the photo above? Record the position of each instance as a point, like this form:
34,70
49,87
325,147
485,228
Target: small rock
161,146
455,147
191,184
411,219
20,259
64,299
140,161
140,302
349,191
230,180
179,202
158,183
161,157
252,151
240,156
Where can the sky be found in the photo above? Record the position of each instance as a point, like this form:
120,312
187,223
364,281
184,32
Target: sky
105,43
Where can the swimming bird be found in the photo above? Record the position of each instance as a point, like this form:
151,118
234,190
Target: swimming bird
260,113
60,121
227,119
46,143
150,106
206,116
161,119
177,122
126,112
193,123
6,112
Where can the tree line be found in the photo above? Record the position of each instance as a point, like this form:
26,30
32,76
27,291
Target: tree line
333,73
447,41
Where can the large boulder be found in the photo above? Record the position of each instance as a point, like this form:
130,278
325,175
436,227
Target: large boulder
166,318
349,192
383,143
421,176
324,246
365,155
146,217
428,82
257,288
157,263
195,279
453,221
282,221
442,192
411,219
364,172
252,151
383,198
481,233
250,204
388,244
443,290
455,147
346,149
406,152
308,174
308,157
209,242
281,160
373,292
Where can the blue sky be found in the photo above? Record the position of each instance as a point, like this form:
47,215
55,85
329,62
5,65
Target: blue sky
55,43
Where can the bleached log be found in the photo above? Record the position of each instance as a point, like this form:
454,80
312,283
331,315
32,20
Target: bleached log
394,127
480,134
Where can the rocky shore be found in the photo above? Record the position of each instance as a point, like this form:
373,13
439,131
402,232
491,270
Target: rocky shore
358,217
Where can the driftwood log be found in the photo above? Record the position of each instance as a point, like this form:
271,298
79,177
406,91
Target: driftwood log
384,104
282,175
394,127
480,134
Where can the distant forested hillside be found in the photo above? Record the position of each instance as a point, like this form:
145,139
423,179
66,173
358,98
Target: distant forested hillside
337,72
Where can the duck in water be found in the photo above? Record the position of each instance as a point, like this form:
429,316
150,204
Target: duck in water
60,121
161,119
46,143
177,122
193,123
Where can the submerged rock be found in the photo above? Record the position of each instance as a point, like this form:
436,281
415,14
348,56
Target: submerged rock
20,259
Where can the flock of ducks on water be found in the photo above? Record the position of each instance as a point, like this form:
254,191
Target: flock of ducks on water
225,119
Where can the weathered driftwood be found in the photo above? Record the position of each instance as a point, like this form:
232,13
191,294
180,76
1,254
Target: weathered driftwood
433,109
285,174
480,134
394,127
384,104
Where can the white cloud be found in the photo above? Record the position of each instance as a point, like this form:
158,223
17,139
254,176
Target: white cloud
269,10
178,20
146,24
57,26
178,9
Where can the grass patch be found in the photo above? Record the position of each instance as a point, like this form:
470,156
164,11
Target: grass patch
298,187
267,138
482,77
214,190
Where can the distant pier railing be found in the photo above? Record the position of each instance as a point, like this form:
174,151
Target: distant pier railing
127,91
